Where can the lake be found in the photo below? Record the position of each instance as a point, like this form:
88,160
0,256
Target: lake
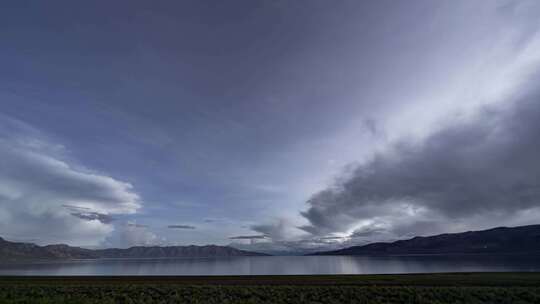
278,265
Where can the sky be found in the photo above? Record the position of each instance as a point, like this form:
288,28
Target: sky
267,125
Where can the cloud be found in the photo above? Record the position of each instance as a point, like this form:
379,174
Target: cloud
366,232
133,234
73,207
86,214
278,230
331,238
299,246
474,172
135,225
91,216
281,236
181,227
39,188
248,237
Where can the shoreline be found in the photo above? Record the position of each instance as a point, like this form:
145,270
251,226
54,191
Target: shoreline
458,279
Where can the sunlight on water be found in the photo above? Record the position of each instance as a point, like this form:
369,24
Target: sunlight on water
277,265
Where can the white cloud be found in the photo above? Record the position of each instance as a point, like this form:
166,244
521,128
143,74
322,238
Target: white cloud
133,234
36,185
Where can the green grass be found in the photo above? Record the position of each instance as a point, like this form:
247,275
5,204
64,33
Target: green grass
429,288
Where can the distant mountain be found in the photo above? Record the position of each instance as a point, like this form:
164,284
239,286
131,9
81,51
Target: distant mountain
502,240
18,251
175,251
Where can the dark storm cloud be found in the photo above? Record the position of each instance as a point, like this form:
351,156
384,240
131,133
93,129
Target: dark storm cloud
181,227
485,166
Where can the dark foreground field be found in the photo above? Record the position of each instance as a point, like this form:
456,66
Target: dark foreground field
414,288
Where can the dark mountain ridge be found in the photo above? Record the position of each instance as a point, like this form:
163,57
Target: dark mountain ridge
17,251
500,240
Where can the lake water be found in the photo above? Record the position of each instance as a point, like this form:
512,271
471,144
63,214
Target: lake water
278,265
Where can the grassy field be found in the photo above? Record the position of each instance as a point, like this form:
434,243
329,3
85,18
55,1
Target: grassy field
414,288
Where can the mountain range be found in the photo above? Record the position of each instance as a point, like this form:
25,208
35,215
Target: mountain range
17,251
501,240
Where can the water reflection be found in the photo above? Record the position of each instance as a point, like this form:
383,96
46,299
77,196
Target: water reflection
278,265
